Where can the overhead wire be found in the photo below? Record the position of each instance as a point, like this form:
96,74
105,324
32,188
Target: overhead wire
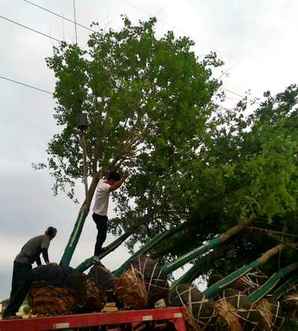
74,22
235,93
29,28
26,85
60,16
58,40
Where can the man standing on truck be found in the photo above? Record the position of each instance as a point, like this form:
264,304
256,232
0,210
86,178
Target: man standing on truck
100,208
22,265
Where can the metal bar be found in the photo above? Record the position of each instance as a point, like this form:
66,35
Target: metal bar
180,324
174,314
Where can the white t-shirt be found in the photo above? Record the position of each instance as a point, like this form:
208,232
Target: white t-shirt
102,194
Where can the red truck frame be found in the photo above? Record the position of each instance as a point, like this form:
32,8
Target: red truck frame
132,317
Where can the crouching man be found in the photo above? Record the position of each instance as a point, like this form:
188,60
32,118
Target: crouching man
22,266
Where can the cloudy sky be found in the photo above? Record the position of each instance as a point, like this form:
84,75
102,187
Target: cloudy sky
256,39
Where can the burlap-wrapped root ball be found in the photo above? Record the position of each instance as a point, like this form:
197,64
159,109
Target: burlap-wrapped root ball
142,284
57,290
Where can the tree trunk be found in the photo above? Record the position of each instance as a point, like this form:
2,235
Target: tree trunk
218,286
211,244
283,289
143,250
108,249
271,252
235,230
271,283
78,227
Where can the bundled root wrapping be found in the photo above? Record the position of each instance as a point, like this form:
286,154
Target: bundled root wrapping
265,308
193,300
232,312
155,281
290,303
228,313
48,300
57,290
131,290
142,284
104,280
95,297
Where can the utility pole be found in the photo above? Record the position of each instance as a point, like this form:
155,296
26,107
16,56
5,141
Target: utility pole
75,20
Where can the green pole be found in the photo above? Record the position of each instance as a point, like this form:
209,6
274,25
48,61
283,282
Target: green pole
74,238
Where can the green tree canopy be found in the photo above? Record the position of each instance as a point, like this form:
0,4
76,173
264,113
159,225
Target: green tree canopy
150,106
147,100
247,164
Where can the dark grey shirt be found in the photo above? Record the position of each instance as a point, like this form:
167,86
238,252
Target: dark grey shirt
32,249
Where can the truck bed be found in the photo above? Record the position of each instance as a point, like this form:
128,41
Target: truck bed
132,317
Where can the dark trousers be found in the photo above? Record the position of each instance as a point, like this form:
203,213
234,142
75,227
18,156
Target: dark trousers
102,228
19,287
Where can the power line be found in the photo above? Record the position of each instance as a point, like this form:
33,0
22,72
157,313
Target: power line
60,16
75,19
25,84
28,28
235,93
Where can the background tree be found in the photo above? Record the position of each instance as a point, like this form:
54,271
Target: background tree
147,100
246,164
150,105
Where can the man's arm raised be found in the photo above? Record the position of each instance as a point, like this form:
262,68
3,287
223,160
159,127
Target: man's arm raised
117,184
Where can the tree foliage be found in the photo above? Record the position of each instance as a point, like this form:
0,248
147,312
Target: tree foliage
147,100
246,164
150,105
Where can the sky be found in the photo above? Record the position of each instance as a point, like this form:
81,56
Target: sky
256,40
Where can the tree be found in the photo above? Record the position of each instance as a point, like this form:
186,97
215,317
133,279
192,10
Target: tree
147,100
246,165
